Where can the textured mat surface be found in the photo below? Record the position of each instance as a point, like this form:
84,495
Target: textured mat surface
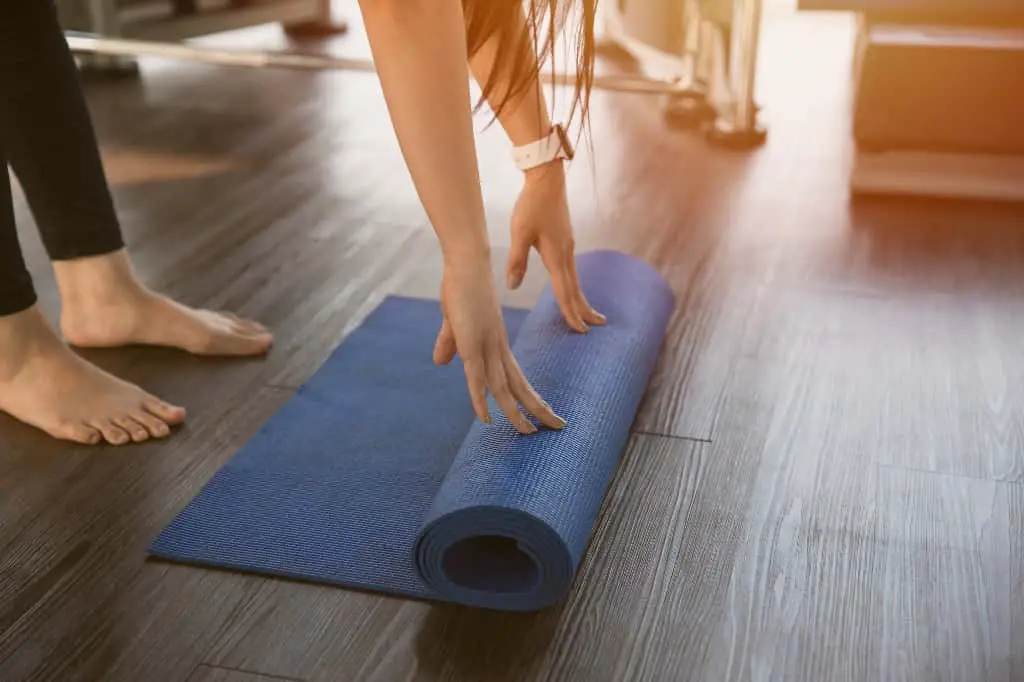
377,476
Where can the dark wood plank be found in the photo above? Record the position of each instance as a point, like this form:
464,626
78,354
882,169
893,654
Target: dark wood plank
922,381
808,602
800,602
847,564
82,591
1016,571
924,246
686,393
946,562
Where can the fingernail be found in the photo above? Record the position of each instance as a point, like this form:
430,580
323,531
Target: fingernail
515,279
486,419
601,317
561,421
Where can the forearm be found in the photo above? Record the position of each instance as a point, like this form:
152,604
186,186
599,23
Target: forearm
525,118
419,49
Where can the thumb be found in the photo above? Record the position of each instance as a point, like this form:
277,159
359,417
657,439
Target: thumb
444,348
518,257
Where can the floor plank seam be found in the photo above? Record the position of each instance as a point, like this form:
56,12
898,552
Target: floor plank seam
670,436
255,673
896,467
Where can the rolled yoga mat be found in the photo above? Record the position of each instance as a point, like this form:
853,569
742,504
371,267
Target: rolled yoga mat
376,475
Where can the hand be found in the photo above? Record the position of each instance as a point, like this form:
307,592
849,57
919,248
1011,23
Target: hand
541,220
474,328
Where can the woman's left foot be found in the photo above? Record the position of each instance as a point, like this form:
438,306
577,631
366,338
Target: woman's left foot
104,306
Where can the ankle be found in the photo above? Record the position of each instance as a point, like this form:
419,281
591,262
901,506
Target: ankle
23,336
95,279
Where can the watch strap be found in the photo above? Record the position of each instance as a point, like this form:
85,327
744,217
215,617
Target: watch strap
554,146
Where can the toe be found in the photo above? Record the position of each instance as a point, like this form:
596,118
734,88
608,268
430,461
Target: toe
245,325
78,432
169,414
241,342
256,344
155,427
134,429
112,433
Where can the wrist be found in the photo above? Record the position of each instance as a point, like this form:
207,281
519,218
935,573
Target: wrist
552,147
545,171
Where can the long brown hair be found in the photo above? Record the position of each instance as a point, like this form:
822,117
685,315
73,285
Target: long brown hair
524,47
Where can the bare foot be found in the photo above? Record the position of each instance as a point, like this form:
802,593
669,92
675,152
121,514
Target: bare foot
44,384
104,306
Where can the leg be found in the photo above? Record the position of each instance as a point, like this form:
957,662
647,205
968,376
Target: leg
16,291
47,133
43,383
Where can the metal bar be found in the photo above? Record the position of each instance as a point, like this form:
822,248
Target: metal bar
93,44
743,51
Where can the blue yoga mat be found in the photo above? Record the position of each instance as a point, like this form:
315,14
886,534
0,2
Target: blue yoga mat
376,475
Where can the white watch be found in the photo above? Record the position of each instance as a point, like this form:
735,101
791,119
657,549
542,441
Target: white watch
545,150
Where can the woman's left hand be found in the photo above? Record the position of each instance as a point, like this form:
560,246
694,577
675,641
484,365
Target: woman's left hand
541,220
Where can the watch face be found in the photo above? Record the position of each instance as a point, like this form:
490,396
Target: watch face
563,139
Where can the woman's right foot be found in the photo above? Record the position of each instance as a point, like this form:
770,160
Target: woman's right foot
44,384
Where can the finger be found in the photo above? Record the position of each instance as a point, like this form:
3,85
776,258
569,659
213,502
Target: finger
518,259
563,291
529,398
497,381
475,376
587,311
444,349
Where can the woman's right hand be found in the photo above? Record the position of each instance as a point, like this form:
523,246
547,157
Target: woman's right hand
474,328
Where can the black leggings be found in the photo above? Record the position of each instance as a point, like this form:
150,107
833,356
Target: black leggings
46,136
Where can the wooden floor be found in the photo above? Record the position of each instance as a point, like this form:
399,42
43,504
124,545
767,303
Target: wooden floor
827,481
